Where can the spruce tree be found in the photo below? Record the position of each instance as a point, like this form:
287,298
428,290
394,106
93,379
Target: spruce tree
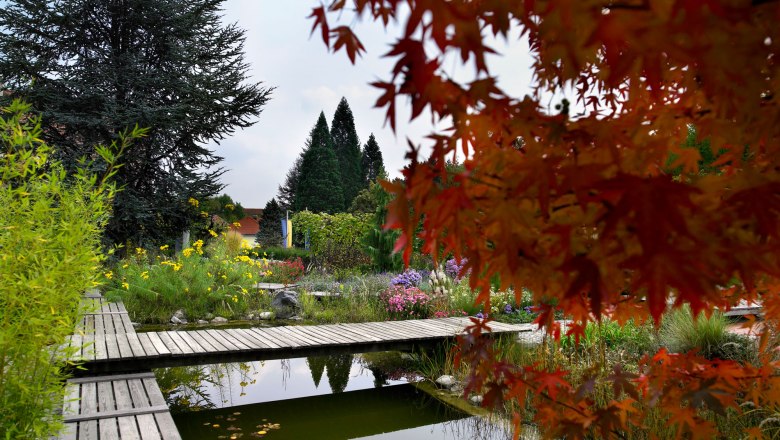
347,146
319,183
93,68
286,193
372,161
270,233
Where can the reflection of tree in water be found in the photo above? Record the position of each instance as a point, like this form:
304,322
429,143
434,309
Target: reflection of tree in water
317,367
338,371
184,388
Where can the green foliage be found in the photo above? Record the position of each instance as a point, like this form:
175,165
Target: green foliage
280,253
334,239
358,301
319,183
634,338
364,202
377,242
197,280
270,233
681,332
373,164
347,147
95,67
223,206
50,228
286,192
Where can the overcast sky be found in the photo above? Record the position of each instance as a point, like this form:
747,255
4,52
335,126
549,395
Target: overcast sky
308,80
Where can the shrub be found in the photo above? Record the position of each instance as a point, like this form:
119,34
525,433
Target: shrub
50,228
334,239
408,278
681,332
198,281
407,303
284,272
280,253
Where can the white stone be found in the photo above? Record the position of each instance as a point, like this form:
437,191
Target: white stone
266,315
219,320
446,381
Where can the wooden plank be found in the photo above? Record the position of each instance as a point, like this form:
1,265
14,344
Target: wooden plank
252,343
138,393
169,344
99,327
389,332
366,337
70,406
321,337
189,340
121,307
112,346
153,391
159,345
226,341
148,427
264,337
289,340
128,428
113,377
177,339
88,347
371,330
137,347
335,334
218,347
253,337
126,321
107,427
119,326
202,342
124,346
81,418
166,426
146,344
88,430
100,347
306,336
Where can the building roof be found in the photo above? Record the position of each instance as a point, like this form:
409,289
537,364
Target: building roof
248,226
254,212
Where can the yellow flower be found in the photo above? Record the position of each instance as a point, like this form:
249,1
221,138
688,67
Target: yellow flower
230,206
208,290
249,275
193,202
213,234
209,274
109,274
177,267
186,290
125,266
126,286
187,252
235,298
164,247
237,224
145,275
244,291
204,214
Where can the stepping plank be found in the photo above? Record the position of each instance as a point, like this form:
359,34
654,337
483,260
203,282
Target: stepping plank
310,338
137,347
263,337
293,340
169,344
202,342
357,330
254,337
177,339
323,337
166,426
124,345
227,340
158,343
88,430
210,339
238,340
113,377
197,348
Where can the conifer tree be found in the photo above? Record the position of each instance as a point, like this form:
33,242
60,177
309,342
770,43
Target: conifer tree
319,184
286,193
372,161
347,147
270,233
94,68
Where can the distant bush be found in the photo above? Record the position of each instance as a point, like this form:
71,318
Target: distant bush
284,272
280,253
334,239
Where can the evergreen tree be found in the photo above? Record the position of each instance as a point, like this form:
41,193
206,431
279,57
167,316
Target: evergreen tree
286,193
347,146
223,206
319,183
270,233
379,243
372,161
93,68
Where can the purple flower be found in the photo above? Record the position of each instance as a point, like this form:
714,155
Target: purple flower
528,309
409,278
453,268
480,315
508,308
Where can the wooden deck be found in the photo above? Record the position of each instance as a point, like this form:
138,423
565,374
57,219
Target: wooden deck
124,406
110,350
128,406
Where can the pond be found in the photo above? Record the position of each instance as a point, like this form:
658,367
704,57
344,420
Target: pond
331,397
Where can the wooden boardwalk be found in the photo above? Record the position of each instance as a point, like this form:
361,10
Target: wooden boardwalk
123,406
110,350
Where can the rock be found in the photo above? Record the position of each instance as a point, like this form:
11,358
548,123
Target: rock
251,317
265,315
285,304
446,381
219,320
476,400
202,322
209,316
178,317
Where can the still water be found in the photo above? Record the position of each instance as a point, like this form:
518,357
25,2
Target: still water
332,397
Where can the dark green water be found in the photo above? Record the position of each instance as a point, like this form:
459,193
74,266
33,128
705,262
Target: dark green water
325,398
